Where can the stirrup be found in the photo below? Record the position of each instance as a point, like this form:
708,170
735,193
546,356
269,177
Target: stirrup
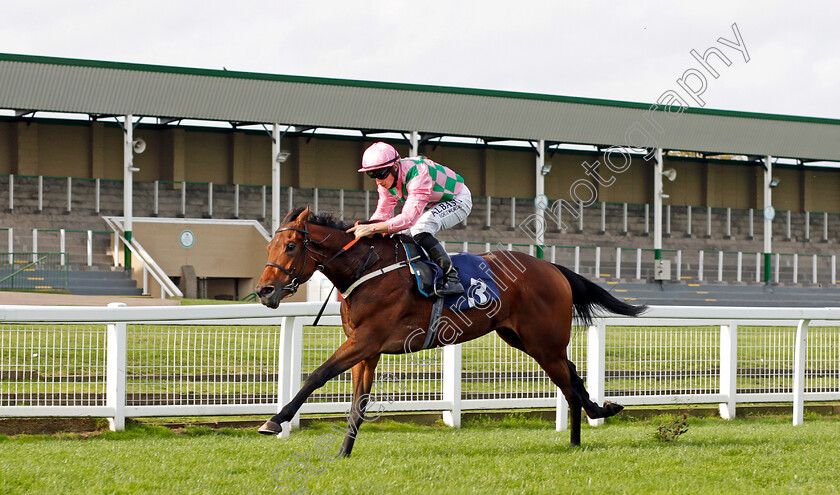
451,286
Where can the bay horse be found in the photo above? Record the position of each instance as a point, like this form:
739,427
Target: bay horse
381,315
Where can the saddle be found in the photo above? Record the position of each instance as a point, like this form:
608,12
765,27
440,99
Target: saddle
475,273
425,272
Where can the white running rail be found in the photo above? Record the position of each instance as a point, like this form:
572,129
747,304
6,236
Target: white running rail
120,362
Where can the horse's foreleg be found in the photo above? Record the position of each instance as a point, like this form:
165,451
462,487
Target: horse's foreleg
348,354
363,374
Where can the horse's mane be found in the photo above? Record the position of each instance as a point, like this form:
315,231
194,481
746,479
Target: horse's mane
327,219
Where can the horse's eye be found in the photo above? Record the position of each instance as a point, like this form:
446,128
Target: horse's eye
290,246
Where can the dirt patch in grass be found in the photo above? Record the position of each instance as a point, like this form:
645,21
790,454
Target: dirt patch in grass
50,426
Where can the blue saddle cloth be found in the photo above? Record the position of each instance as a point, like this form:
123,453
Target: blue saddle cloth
476,277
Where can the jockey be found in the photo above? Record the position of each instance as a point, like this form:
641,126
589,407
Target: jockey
423,185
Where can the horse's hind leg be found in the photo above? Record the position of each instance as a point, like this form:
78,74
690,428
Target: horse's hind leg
593,410
575,416
562,377
363,374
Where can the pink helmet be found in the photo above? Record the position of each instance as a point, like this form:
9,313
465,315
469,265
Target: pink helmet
379,155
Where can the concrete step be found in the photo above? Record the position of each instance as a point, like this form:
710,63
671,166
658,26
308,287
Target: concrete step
105,286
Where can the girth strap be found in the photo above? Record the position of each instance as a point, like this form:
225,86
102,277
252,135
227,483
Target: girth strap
434,322
373,274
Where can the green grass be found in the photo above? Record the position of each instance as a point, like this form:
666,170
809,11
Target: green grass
514,455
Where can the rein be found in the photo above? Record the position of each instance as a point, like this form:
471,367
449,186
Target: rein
295,282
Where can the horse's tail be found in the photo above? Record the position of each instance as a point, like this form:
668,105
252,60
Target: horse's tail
587,296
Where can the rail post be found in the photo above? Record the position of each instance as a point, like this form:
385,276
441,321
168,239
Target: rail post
62,246
800,348
116,371
679,265
34,245
597,262
638,263
728,368
561,421
700,265
452,384
617,263
284,382
595,358
295,356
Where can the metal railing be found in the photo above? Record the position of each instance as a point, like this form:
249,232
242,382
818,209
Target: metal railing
167,286
185,199
120,362
34,271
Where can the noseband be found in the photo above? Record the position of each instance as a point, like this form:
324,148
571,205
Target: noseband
300,260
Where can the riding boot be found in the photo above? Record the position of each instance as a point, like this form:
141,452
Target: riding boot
451,281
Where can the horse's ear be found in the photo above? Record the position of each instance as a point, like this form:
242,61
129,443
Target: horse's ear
304,216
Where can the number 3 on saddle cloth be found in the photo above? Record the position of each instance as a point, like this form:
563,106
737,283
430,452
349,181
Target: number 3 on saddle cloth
474,272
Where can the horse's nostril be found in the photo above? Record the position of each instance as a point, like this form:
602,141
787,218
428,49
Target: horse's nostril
266,291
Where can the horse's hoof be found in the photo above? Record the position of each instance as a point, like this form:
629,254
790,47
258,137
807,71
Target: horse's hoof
612,408
270,428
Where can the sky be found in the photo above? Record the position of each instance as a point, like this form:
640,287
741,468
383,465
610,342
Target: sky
632,51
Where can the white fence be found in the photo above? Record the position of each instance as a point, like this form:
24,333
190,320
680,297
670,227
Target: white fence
120,362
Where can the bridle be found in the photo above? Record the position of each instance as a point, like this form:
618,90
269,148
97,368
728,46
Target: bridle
303,256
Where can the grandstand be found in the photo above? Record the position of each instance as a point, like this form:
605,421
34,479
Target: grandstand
66,170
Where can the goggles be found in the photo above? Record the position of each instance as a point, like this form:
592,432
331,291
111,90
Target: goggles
379,173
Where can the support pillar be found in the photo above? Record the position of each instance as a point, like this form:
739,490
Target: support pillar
275,177
539,197
769,213
657,206
128,183
415,143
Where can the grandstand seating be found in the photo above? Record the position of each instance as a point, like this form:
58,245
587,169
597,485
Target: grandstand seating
603,226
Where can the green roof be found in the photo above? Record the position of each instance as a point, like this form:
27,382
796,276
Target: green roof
35,59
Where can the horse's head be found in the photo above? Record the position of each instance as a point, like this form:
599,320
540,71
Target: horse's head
290,262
